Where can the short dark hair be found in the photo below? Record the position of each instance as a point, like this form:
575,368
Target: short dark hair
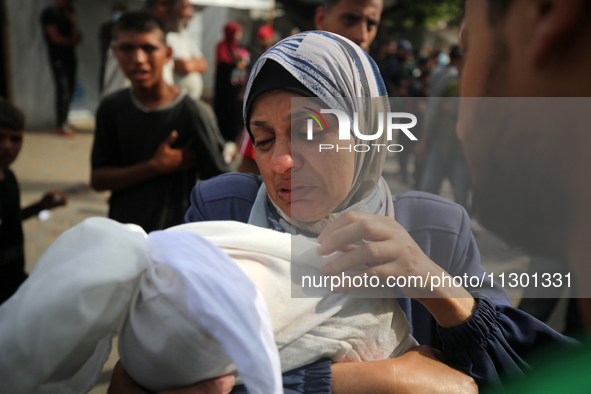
497,9
138,22
10,116
151,4
328,4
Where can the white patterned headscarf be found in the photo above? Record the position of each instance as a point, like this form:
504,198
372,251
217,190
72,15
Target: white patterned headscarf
344,77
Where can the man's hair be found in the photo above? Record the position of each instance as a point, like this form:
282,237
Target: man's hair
11,117
497,9
151,4
137,22
328,4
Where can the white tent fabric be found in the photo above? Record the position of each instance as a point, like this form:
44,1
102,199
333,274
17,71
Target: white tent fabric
184,310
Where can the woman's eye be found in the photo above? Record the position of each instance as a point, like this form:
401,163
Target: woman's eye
263,143
303,129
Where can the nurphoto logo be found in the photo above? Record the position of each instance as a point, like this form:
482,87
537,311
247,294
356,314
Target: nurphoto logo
391,120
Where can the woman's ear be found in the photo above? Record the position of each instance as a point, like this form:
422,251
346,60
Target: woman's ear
556,23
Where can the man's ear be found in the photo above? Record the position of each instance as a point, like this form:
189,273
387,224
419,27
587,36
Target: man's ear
556,22
168,52
319,17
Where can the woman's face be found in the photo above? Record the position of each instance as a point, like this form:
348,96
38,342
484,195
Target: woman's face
304,183
238,36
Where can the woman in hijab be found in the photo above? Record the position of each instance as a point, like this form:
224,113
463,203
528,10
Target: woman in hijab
340,198
229,58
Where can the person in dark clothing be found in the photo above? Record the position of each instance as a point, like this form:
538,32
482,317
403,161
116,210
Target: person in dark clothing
12,254
231,62
151,145
61,32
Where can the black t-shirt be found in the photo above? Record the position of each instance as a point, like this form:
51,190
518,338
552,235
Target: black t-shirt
12,253
126,135
60,19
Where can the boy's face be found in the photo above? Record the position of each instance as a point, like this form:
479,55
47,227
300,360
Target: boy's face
11,142
142,57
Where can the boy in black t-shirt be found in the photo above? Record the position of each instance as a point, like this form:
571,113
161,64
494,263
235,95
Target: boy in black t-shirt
12,257
151,144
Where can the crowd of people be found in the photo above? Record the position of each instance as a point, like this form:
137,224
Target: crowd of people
159,149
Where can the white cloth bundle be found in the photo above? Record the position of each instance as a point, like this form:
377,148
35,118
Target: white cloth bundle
183,309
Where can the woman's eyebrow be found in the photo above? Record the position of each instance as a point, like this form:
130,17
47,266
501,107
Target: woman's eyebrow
295,115
258,123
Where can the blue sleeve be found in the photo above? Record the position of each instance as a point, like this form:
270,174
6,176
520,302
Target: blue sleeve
311,378
498,340
225,197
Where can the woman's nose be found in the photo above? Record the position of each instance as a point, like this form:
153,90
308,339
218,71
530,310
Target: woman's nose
282,159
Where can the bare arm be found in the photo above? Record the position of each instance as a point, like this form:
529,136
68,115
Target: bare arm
50,200
55,37
194,64
417,371
115,178
165,160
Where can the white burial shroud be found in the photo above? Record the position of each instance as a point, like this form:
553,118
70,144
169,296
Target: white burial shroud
189,303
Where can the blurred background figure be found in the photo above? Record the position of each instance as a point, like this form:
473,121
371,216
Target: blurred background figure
396,68
443,74
230,76
439,144
61,32
12,248
264,39
418,91
189,63
106,37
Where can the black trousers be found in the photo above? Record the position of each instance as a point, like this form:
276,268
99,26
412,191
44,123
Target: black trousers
64,75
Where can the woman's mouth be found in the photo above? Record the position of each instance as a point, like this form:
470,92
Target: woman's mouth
295,193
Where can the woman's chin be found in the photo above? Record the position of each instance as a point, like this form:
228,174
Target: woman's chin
305,213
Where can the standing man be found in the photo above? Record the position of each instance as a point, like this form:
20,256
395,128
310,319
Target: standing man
357,20
189,63
60,29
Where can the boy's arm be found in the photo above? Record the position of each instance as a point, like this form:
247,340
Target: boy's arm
50,200
165,160
194,64
59,39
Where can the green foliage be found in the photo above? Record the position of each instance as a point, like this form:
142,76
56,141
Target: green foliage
423,13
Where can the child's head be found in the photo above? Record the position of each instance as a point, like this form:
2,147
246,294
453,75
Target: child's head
12,123
140,47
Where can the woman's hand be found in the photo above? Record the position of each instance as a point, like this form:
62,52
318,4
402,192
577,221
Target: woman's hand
122,383
390,253
417,371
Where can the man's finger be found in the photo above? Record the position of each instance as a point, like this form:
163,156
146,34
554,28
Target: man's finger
172,138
